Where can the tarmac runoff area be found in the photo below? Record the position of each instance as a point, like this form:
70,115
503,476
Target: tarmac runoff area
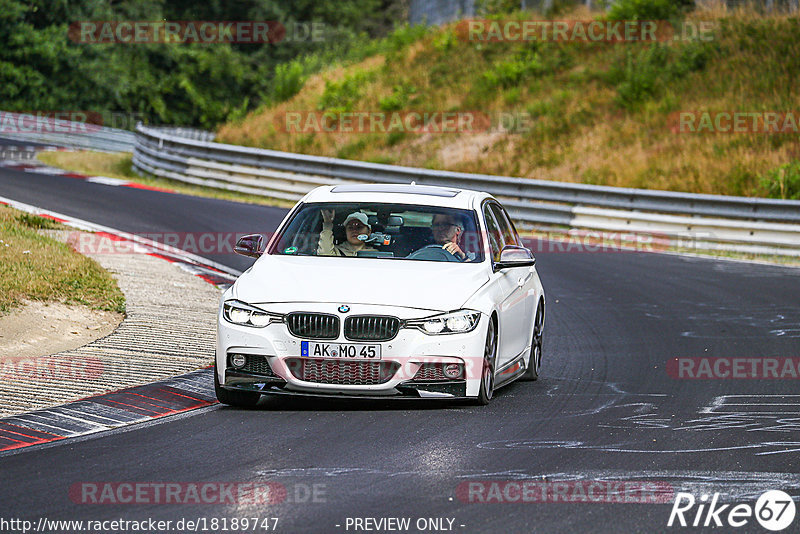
169,329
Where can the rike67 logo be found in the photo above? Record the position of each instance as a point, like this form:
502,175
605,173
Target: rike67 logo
774,510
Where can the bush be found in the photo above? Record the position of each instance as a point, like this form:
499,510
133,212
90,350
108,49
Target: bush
445,41
351,150
398,99
648,9
395,137
783,182
692,57
530,61
496,7
340,96
289,79
510,73
403,36
643,75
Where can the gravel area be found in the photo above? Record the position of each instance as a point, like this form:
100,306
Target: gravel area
168,329
40,328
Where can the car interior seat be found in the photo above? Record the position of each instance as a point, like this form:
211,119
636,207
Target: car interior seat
412,238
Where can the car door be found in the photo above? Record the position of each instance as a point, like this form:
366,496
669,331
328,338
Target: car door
513,306
525,276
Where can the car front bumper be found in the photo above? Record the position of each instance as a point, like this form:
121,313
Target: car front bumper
280,364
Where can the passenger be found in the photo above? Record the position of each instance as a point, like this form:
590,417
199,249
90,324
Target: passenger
447,231
356,224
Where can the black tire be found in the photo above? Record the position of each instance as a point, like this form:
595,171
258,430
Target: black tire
240,399
487,373
535,360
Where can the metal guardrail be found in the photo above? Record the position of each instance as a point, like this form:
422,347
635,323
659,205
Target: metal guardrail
751,224
18,153
188,133
60,132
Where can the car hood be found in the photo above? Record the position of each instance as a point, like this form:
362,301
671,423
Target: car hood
436,286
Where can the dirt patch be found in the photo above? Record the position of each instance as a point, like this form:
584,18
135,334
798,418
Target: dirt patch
467,149
40,328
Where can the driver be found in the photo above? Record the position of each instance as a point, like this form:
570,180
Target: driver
356,224
447,231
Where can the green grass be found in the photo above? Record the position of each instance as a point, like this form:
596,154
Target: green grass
600,113
36,267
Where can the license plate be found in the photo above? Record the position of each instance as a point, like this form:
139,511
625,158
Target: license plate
349,351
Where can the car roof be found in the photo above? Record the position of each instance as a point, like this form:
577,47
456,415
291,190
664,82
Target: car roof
425,195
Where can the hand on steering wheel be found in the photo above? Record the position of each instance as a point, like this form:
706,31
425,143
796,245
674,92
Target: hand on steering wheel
455,250
440,247
433,252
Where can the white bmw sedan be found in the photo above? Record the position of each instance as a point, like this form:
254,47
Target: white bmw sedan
382,291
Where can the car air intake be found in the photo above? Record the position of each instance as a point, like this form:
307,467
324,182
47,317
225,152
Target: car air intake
313,325
349,373
371,328
258,365
430,372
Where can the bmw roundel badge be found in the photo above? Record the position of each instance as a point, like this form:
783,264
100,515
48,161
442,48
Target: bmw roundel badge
344,308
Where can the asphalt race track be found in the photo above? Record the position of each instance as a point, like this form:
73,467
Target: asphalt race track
5,143
605,408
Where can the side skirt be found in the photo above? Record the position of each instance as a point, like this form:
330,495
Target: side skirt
514,369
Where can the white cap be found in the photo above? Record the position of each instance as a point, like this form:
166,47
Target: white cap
358,216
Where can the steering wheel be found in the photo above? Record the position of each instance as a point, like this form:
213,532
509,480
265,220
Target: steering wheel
432,252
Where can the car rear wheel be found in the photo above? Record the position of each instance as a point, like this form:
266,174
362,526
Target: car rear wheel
487,374
241,399
535,360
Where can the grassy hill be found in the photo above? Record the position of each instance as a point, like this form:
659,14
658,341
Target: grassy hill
600,113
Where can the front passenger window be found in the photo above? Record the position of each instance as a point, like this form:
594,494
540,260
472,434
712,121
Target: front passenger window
495,235
506,227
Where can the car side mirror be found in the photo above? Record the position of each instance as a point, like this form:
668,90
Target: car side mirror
514,256
250,245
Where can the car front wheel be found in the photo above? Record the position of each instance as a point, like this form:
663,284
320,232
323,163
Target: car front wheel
535,360
240,399
489,358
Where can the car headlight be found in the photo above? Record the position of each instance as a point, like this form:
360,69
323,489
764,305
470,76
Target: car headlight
237,312
457,322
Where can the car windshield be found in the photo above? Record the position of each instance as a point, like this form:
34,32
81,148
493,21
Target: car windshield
384,231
